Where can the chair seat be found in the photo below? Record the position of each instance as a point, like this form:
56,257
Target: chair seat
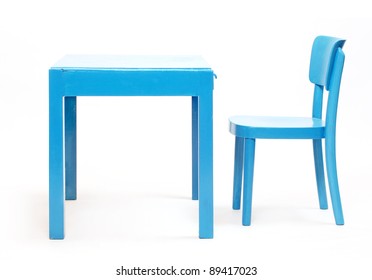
277,127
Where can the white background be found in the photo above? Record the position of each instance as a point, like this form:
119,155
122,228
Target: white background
134,163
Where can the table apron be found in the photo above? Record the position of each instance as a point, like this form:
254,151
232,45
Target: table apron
135,82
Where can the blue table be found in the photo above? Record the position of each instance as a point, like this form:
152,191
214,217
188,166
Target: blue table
105,75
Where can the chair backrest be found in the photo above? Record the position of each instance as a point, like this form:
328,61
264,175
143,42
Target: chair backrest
326,65
322,59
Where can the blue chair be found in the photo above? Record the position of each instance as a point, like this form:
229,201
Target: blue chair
326,65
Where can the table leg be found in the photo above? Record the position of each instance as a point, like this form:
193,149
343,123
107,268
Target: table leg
195,147
70,147
56,180
206,165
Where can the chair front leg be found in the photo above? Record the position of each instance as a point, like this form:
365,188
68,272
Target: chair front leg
330,150
249,146
319,172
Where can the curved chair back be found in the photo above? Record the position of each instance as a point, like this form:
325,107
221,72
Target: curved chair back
326,65
323,56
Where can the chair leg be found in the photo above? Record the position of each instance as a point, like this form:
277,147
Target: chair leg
248,180
330,150
319,172
238,172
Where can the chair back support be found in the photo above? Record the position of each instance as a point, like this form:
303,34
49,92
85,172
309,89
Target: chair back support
322,59
326,65
334,89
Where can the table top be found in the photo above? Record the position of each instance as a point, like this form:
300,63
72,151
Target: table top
91,62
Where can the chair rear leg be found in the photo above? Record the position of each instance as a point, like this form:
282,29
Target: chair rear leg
330,150
319,172
238,172
248,180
